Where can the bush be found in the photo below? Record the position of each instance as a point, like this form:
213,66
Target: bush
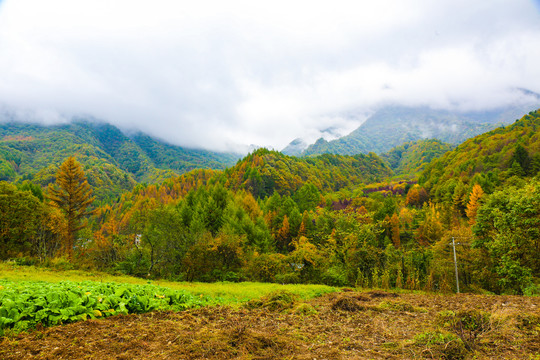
468,324
396,306
266,267
335,276
60,263
288,278
25,261
276,301
442,345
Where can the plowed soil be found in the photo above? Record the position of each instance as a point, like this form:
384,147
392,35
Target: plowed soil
346,325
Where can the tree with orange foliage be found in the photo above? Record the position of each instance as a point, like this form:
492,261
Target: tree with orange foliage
416,196
284,235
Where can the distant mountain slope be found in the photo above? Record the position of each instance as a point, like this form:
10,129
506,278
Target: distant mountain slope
295,147
113,161
264,172
180,159
488,159
392,126
412,157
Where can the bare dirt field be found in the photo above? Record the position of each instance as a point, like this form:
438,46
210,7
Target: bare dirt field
346,325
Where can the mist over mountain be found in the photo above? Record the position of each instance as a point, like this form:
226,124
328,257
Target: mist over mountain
393,126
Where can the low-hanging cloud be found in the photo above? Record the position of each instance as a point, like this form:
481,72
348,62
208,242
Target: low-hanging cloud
224,75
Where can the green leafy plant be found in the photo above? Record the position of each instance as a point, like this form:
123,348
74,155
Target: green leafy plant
23,305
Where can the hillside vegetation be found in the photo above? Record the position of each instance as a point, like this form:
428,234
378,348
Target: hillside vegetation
113,162
409,159
330,219
491,159
256,231
393,126
264,172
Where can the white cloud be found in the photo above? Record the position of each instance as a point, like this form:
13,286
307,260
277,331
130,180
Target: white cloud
217,74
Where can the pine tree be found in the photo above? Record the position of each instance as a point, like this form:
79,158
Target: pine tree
72,194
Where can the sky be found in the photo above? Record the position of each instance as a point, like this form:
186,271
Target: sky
224,75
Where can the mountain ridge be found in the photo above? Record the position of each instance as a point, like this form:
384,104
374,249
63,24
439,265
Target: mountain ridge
394,125
30,151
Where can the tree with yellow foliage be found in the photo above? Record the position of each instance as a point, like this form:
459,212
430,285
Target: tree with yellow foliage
72,194
474,203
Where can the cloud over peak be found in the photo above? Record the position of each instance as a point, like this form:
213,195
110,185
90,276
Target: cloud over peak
220,74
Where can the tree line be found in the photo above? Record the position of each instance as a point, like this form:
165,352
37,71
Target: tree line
205,231
331,219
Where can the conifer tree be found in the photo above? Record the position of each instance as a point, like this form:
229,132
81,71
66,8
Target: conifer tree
303,230
474,203
72,194
394,224
284,235
460,198
521,157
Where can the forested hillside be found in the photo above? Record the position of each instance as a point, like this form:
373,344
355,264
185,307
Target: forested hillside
409,159
392,126
113,162
491,160
332,219
264,172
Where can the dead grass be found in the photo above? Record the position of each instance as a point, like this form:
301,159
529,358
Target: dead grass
347,325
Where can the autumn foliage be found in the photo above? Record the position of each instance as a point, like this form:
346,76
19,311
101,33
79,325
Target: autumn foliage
338,220
73,196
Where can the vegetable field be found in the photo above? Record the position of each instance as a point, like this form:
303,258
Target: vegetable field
24,304
370,324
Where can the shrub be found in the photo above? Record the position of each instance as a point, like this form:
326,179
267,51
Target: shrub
468,324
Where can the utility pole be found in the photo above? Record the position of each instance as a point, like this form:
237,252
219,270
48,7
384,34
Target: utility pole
455,264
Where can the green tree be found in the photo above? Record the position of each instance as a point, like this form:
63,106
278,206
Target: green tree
460,198
165,241
521,157
535,164
20,213
508,228
33,188
214,209
394,223
72,194
307,197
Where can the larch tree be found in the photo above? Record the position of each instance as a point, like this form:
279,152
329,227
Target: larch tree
284,235
72,194
474,203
